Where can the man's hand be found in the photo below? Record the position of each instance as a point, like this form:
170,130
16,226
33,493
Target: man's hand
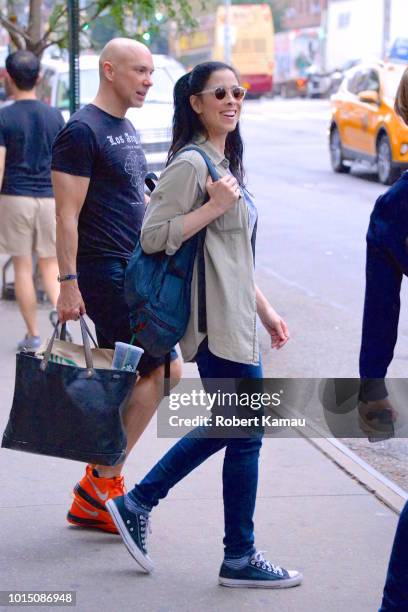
276,327
376,417
70,303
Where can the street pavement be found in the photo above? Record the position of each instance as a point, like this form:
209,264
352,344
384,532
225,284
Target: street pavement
311,239
310,516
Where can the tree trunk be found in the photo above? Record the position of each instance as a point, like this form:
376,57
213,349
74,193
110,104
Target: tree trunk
34,29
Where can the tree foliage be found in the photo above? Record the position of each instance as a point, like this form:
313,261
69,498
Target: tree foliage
131,17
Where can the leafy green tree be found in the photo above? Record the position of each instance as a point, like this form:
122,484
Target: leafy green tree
129,17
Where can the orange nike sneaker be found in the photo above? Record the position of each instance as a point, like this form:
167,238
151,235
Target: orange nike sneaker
90,495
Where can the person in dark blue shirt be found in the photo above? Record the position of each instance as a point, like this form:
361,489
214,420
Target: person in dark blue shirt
27,207
387,264
395,597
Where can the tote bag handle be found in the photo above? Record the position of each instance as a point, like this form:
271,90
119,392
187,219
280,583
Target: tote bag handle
87,347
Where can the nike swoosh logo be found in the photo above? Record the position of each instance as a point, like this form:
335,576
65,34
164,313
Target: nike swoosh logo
102,496
90,512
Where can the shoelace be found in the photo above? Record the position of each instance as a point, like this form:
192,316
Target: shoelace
145,528
259,558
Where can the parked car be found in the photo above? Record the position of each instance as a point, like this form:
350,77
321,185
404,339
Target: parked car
153,121
319,83
364,125
322,84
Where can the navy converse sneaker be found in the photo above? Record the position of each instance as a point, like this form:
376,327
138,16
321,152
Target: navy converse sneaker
133,527
259,573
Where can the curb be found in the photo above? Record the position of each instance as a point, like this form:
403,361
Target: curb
373,481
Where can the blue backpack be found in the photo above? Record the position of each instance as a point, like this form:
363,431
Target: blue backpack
158,289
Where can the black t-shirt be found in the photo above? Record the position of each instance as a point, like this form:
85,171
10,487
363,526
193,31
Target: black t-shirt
106,149
27,130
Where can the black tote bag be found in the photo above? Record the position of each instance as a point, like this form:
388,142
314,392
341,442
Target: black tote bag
68,412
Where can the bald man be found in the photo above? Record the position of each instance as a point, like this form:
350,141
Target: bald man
98,170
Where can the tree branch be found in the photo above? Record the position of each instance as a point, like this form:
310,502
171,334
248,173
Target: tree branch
64,9
11,27
59,41
102,5
50,30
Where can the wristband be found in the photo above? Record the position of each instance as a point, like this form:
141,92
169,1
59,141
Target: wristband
67,277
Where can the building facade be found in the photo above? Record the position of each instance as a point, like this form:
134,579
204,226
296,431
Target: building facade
303,14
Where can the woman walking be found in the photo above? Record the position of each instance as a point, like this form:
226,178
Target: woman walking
208,104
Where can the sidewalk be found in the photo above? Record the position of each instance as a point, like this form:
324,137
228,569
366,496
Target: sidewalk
310,516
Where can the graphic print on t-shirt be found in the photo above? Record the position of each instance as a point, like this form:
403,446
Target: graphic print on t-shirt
107,150
133,167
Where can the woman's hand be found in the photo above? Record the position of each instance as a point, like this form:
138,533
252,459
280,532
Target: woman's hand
276,328
224,193
272,322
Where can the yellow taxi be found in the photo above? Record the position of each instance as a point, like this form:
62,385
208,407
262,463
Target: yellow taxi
364,125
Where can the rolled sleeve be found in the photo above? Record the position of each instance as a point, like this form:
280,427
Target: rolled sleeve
175,195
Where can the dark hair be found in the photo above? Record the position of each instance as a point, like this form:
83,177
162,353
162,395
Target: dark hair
24,68
186,122
401,98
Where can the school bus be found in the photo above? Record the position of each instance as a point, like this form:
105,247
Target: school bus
252,44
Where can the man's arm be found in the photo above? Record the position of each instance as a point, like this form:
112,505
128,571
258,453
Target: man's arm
70,193
2,163
381,311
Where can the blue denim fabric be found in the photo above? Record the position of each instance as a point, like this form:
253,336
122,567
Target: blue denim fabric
387,262
240,469
395,597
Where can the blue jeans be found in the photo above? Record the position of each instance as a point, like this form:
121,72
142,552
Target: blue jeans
240,469
395,597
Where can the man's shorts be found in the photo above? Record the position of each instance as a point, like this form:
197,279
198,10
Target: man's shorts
101,282
27,226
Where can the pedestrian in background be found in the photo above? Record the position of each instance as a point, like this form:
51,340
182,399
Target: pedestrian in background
387,264
207,108
395,597
28,128
98,174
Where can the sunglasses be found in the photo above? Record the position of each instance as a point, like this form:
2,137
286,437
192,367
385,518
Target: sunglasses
238,93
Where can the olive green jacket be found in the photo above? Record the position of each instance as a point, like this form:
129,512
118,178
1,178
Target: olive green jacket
229,268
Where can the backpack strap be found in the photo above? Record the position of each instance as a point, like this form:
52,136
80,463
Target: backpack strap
202,305
211,168
167,374
202,298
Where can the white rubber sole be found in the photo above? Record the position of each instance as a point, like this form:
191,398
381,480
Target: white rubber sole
261,584
143,560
